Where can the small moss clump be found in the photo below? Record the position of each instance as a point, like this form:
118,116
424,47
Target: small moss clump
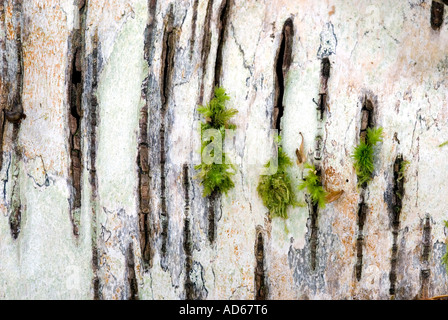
216,177
313,186
363,155
276,190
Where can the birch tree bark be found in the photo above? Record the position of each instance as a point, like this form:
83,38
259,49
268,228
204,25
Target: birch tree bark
100,138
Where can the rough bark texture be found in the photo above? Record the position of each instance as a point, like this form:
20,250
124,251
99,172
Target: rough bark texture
99,138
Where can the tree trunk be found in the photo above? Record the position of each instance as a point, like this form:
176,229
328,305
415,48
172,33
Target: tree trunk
100,138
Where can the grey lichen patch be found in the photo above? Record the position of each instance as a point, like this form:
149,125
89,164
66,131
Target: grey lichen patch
117,268
197,276
309,281
35,170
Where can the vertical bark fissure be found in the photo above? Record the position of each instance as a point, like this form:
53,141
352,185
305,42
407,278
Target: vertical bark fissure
145,227
314,207
314,215
15,210
425,271
261,292
366,122
131,277
397,196
213,200
150,31
282,64
206,44
143,164
193,27
222,27
324,76
92,123
13,113
75,115
362,213
189,285
168,52
4,80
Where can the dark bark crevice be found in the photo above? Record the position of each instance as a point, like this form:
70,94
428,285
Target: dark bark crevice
282,64
224,14
313,224
397,196
193,27
425,272
261,290
146,229
11,99
206,45
367,121
92,118
437,13
362,214
75,117
166,74
131,277
187,244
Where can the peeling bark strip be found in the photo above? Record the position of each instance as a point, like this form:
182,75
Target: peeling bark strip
425,272
166,74
437,11
282,64
261,292
367,121
189,285
130,270
395,219
75,115
222,27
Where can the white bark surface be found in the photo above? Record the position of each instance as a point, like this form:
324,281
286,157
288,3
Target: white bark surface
384,50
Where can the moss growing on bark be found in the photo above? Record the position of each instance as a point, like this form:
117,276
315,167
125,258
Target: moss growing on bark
276,190
216,176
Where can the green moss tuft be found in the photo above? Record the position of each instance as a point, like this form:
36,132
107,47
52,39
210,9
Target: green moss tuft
314,187
363,155
276,190
216,177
